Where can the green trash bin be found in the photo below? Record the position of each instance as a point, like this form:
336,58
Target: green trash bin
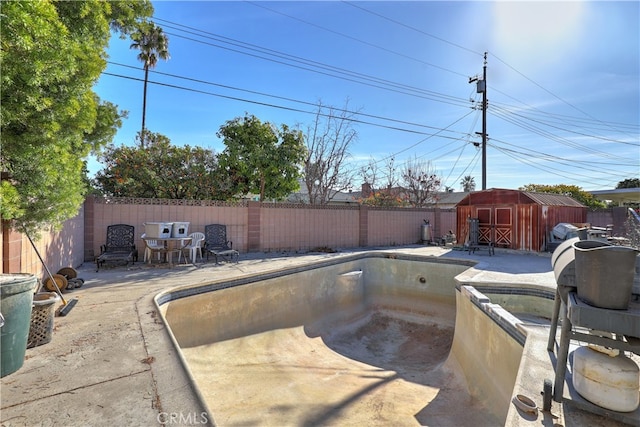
16,298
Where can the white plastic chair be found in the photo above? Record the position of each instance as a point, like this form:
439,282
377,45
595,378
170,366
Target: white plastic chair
194,246
152,246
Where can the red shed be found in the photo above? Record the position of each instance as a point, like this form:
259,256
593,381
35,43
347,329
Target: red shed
517,219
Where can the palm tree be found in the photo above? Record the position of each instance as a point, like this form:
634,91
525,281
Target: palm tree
468,184
152,43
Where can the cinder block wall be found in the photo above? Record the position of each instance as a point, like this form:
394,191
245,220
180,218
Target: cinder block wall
251,226
268,227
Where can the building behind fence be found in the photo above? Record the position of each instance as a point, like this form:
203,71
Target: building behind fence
251,226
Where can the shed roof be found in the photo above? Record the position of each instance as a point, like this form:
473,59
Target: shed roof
548,199
494,196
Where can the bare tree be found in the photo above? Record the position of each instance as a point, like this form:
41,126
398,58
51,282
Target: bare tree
369,177
390,174
328,141
378,177
421,183
381,183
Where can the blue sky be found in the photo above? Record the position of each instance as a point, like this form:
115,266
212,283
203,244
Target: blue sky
563,82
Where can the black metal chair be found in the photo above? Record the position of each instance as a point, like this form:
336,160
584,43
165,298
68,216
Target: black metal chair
474,237
119,246
216,243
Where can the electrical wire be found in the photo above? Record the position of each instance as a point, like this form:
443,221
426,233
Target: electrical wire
283,98
472,164
505,113
473,125
551,170
358,6
564,141
281,107
332,71
422,140
551,157
540,122
364,42
547,91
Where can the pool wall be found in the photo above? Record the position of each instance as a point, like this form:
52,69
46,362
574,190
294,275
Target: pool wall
324,292
487,344
487,348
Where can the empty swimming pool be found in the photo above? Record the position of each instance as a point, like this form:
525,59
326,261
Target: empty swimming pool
370,339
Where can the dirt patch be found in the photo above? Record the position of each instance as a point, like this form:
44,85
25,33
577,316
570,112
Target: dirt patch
393,343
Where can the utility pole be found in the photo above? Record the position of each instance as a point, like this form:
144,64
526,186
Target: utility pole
481,87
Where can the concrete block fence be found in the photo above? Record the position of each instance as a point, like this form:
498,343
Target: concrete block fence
267,227
251,226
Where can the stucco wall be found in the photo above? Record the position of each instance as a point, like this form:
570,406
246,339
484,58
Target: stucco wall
63,248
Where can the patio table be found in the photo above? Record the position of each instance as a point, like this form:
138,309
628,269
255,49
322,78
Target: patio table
172,245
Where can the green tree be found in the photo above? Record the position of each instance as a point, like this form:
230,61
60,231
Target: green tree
152,43
52,54
260,158
385,198
161,170
574,191
629,183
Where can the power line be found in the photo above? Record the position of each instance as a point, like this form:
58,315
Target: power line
473,125
357,6
422,140
551,136
547,91
329,70
549,169
472,164
569,162
281,107
477,53
356,39
584,123
573,131
342,70
190,79
529,123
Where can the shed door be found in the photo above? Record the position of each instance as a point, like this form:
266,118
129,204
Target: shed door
504,227
484,219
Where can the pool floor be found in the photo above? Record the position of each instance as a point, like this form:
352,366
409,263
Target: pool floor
384,368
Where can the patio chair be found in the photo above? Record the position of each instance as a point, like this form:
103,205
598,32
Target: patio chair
119,246
152,246
194,246
216,243
474,237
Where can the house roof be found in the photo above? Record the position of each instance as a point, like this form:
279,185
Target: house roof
618,195
451,198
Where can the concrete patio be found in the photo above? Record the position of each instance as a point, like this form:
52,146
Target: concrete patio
111,361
